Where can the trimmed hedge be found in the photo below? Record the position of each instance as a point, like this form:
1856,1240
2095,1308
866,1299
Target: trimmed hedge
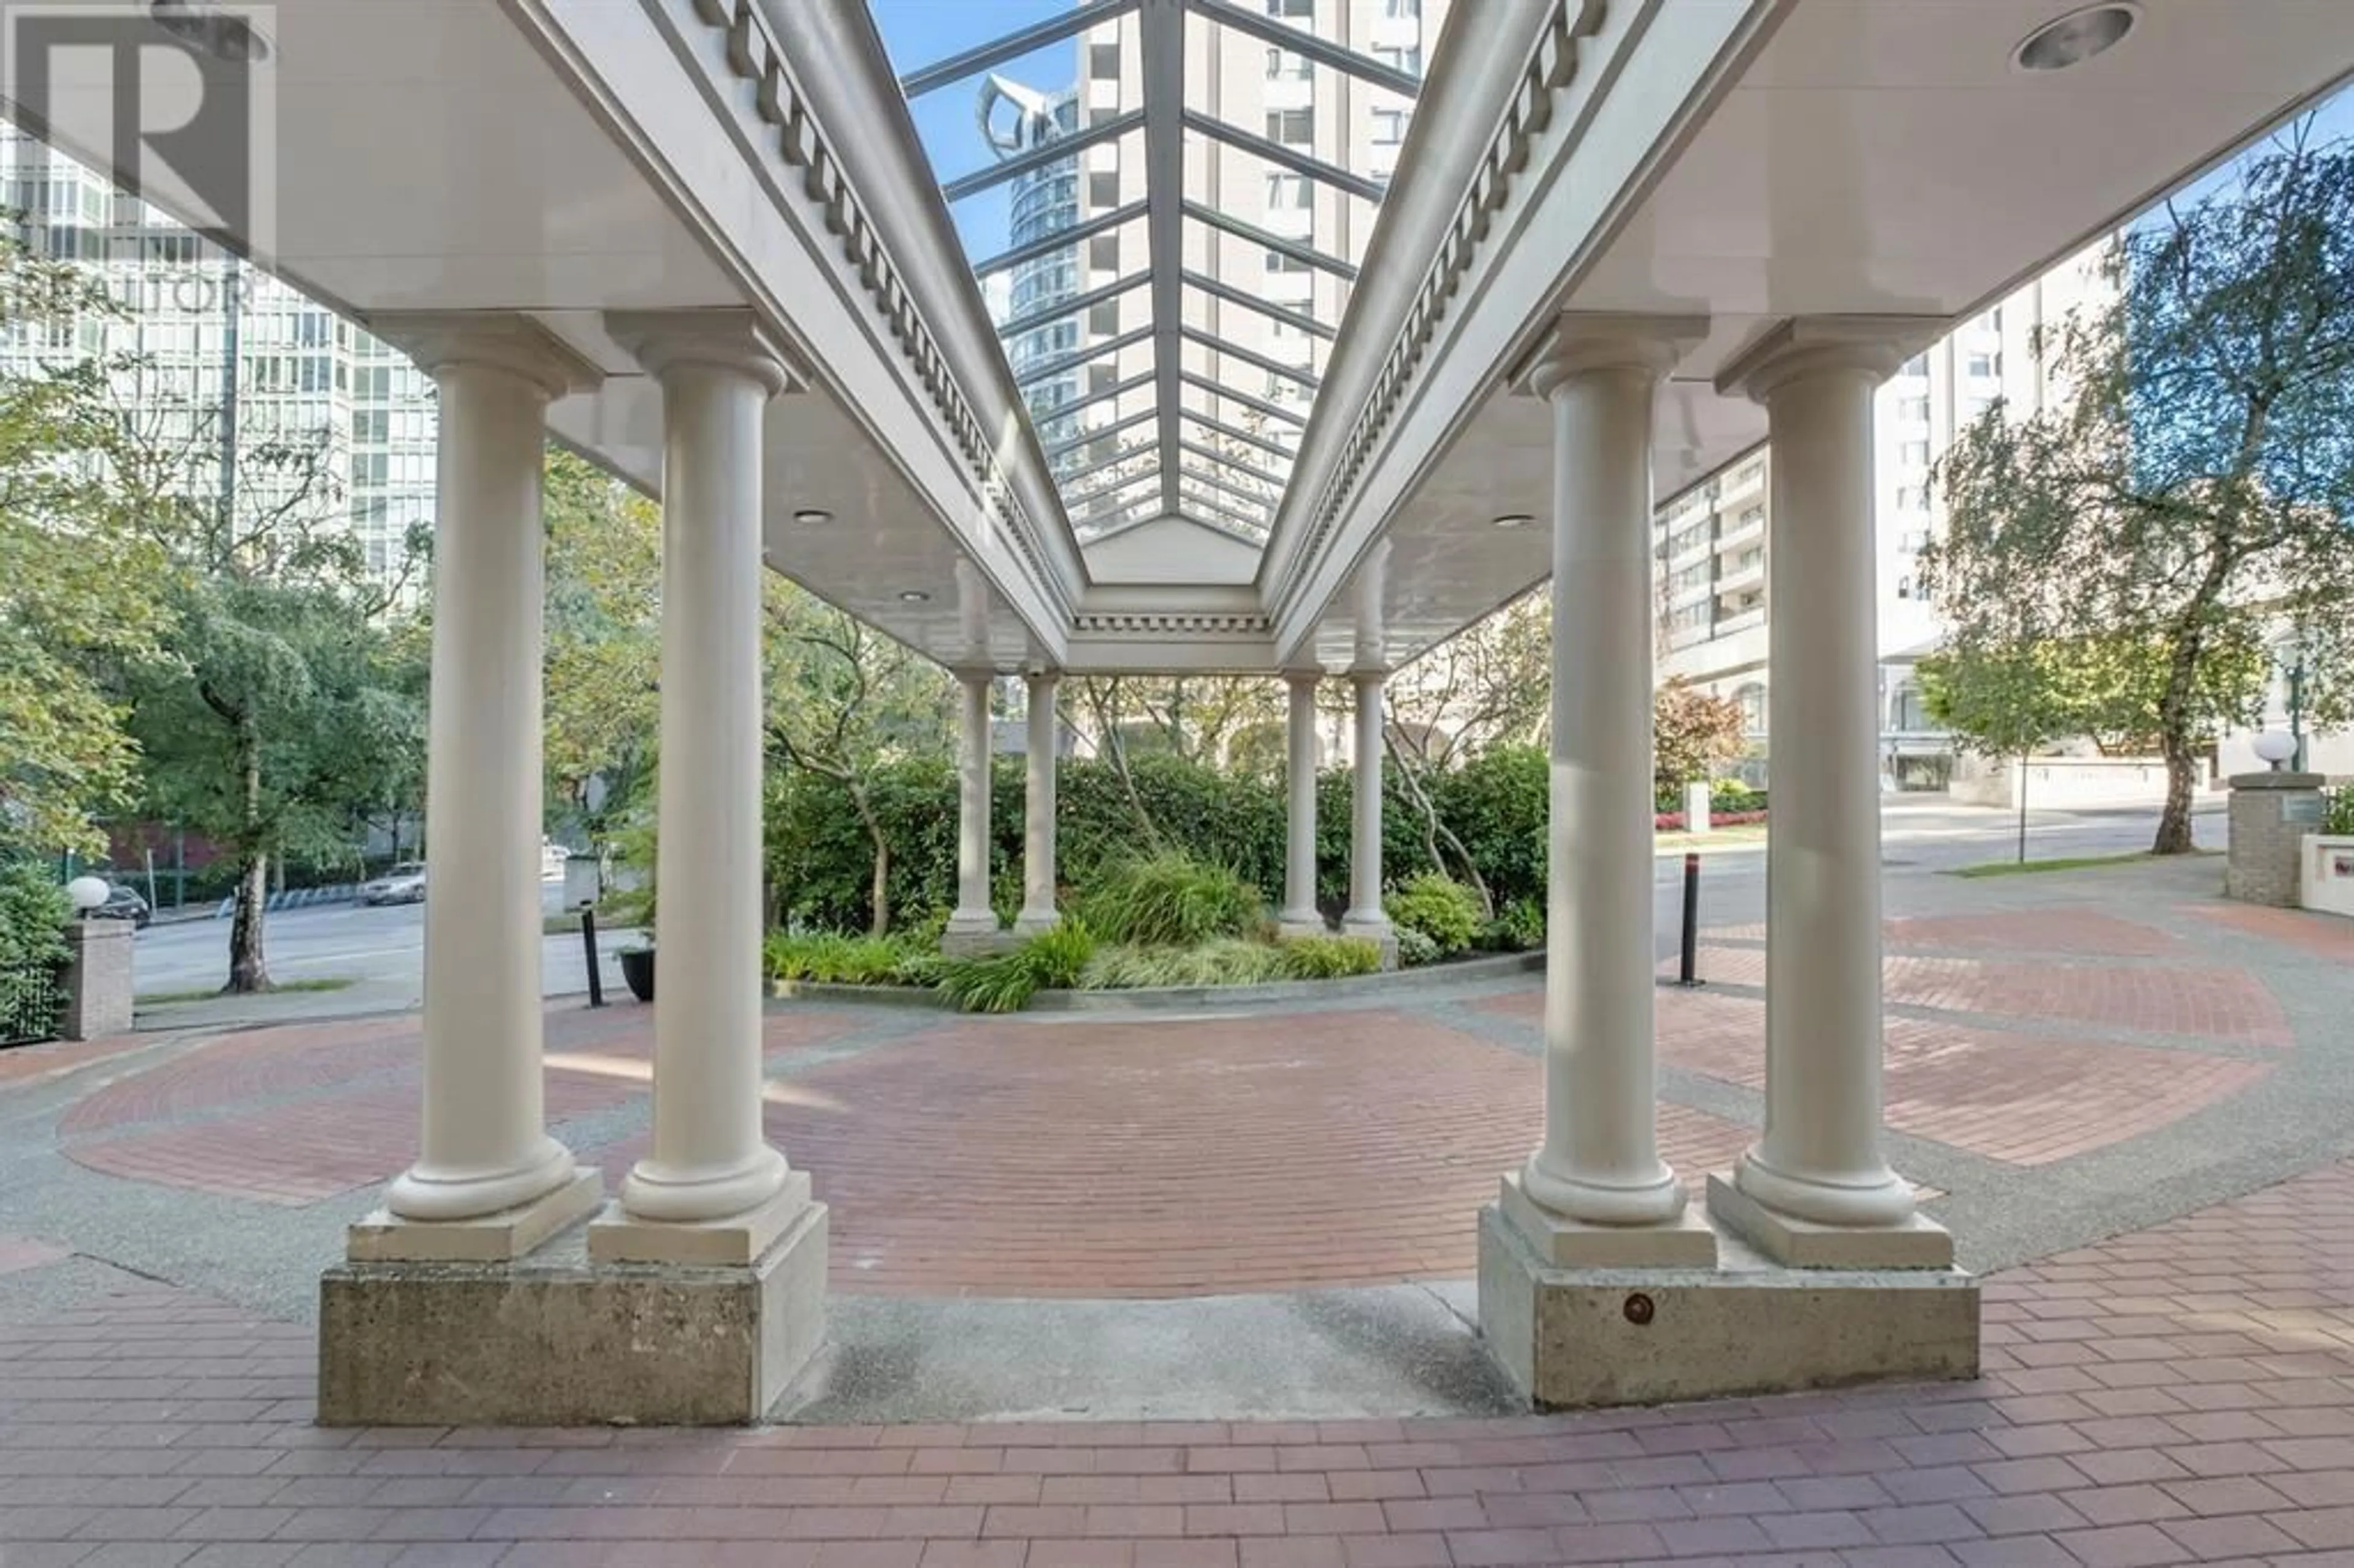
819,863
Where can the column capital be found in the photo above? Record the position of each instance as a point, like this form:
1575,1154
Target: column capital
1364,675
506,341
1037,678
1582,341
974,674
727,339
1872,345
1310,678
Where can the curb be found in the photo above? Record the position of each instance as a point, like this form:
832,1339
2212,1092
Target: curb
1178,999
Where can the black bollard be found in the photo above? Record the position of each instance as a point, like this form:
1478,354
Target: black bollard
1685,975
588,946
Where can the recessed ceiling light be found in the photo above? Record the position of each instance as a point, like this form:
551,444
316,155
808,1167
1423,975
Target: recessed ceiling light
915,596
1514,520
2076,37
811,517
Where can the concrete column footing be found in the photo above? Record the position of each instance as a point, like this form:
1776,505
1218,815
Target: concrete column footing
1573,1337
558,1340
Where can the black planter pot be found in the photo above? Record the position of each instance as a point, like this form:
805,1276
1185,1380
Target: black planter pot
638,971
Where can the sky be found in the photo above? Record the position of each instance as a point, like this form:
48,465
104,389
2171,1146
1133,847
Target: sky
918,32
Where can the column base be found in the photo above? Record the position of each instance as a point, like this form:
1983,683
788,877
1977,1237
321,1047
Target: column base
1571,1338
560,1339
1033,922
387,1237
619,1236
975,933
1376,930
1915,1242
1561,1242
1294,926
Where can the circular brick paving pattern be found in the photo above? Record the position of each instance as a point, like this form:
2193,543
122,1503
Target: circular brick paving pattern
1094,1158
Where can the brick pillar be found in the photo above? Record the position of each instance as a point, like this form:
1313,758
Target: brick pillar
2271,813
98,979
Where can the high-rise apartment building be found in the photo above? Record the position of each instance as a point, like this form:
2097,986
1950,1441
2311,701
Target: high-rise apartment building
1714,560
186,311
1285,157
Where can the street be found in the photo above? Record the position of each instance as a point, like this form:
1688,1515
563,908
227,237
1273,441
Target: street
380,951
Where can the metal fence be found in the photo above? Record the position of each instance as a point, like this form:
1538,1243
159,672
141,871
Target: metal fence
32,996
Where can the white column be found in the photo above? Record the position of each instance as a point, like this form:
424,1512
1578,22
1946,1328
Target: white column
1819,1162
973,915
485,1153
710,1160
1365,917
1301,917
1038,807
1599,1163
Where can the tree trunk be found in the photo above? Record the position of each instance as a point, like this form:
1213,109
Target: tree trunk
879,891
2174,725
1434,830
2174,836
247,970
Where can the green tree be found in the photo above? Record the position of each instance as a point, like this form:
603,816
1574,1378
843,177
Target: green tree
603,656
285,707
78,597
2199,483
843,700
2004,702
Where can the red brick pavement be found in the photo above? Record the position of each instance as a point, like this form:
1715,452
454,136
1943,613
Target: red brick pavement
2181,1395
1102,1157
2330,935
2086,932
2172,999
2026,1099
21,1064
340,1137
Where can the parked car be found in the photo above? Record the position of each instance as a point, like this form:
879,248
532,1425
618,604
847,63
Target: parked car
404,883
123,903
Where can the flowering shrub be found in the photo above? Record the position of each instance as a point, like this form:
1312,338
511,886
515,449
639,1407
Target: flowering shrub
1673,821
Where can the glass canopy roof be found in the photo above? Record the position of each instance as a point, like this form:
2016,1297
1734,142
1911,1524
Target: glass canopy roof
1165,203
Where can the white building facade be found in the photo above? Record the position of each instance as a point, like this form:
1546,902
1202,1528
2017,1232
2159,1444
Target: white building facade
1714,567
185,309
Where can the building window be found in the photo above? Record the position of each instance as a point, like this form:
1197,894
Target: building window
1915,454
1302,9
1986,365
1905,588
1916,365
1104,320
1283,261
1407,59
1913,498
1401,10
1283,65
1287,193
1103,61
1389,126
1914,410
1103,190
1294,127
1914,541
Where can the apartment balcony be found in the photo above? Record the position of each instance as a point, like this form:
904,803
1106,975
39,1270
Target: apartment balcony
1740,580
1734,534
1741,621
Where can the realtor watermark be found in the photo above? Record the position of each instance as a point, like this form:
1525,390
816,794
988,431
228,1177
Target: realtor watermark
174,100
